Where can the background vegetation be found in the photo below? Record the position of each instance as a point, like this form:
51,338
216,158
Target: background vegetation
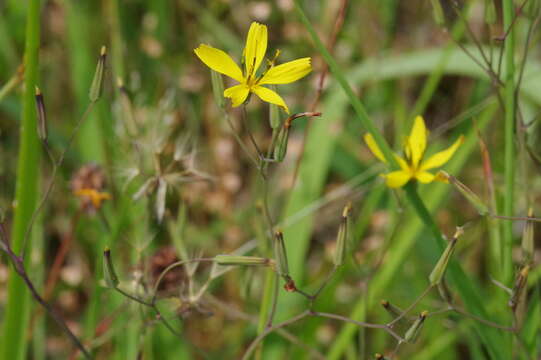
159,144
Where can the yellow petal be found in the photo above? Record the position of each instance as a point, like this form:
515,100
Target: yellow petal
403,164
417,141
440,158
397,179
219,61
237,94
270,96
373,146
256,46
287,73
424,177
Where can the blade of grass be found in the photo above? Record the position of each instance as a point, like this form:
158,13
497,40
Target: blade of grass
13,342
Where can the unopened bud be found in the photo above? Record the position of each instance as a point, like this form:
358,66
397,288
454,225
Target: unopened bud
280,148
217,88
413,332
527,240
233,260
342,237
393,310
280,254
439,270
481,208
42,116
437,12
490,12
97,83
519,287
109,273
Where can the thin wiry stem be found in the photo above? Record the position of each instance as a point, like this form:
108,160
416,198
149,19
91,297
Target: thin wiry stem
20,269
56,165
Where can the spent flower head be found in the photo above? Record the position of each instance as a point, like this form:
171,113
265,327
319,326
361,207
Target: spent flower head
249,80
413,166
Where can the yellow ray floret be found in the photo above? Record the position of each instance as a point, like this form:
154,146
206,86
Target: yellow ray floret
413,166
249,81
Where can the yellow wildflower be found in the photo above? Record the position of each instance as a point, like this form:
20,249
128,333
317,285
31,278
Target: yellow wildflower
250,82
96,197
413,166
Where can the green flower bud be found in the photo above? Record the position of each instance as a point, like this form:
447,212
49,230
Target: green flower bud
280,255
439,270
481,208
342,237
109,273
527,239
233,260
42,118
97,83
413,332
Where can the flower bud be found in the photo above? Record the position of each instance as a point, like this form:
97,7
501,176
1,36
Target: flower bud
42,118
413,332
342,237
280,148
280,254
109,273
481,208
519,287
97,83
439,270
233,260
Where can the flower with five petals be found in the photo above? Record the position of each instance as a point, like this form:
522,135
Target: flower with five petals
413,166
249,80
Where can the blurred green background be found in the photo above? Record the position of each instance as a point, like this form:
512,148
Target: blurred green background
182,164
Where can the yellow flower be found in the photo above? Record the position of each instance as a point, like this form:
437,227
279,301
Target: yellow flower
96,197
413,166
250,82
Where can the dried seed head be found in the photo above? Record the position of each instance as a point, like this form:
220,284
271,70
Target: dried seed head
109,273
159,261
42,118
97,82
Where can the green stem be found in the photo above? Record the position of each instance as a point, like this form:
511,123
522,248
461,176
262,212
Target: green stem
14,341
510,111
